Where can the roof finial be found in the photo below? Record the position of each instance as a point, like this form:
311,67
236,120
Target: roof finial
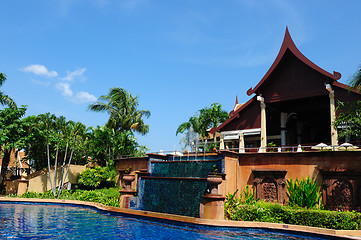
236,104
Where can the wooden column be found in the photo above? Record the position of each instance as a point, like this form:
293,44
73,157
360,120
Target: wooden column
283,128
263,124
334,135
241,143
221,144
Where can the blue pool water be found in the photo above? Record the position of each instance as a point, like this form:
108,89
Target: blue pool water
52,221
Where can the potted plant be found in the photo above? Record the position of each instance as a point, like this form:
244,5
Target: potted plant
127,179
214,179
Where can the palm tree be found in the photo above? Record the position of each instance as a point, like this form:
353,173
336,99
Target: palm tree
5,100
356,80
193,123
206,119
122,109
214,116
191,129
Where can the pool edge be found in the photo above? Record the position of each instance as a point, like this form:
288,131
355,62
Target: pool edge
348,234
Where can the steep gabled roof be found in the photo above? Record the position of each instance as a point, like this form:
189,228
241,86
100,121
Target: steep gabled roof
287,44
290,45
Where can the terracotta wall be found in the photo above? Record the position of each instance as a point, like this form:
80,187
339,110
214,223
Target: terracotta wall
238,166
41,183
137,163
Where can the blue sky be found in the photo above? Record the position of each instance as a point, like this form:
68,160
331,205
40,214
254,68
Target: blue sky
178,56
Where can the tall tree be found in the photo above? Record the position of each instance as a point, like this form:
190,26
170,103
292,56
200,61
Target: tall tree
105,144
60,141
13,135
348,120
213,116
123,111
205,119
5,100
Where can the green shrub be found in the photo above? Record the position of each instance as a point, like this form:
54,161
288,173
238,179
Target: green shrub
98,177
276,213
303,193
247,196
109,197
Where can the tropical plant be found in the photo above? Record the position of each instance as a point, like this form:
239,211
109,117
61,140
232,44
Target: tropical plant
231,203
123,111
276,213
303,193
98,177
348,120
200,123
247,196
356,79
5,100
213,116
106,144
106,196
66,134
48,126
13,135
191,131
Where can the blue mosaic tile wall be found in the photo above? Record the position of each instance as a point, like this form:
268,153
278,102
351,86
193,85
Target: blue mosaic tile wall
175,196
184,168
160,192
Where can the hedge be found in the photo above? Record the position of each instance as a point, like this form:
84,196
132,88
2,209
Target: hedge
275,213
109,197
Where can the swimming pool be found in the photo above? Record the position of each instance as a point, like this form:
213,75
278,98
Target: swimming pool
59,221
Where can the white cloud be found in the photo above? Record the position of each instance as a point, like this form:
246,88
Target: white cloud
85,97
40,70
37,82
71,75
65,89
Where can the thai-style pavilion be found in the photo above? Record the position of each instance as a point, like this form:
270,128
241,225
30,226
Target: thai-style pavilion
294,103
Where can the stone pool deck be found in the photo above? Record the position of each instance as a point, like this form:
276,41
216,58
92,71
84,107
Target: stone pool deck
341,234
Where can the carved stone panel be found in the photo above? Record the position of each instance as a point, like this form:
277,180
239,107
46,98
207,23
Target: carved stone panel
269,190
270,184
340,190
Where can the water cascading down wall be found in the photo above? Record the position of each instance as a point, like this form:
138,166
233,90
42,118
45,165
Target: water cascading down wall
176,185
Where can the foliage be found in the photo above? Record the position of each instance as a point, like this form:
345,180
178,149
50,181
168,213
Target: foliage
348,120
211,146
271,144
214,169
66,134
13,134
247,196
128,170
303,193
201,122
213,116
109,197
123,111
48,133
98,177
5,100
356,79
275,213
106,144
